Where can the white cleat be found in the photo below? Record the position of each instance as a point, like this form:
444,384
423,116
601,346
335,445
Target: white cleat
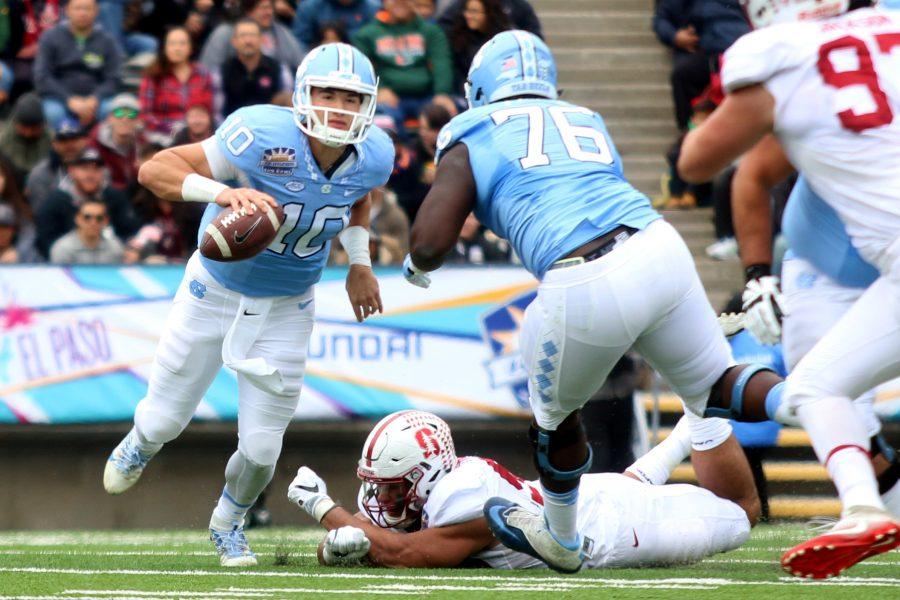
125,465
232,547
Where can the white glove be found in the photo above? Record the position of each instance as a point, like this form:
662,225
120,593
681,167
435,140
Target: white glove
345,545
764,308
308,491
415,275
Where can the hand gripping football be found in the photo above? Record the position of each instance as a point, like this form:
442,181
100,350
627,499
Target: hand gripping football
239,235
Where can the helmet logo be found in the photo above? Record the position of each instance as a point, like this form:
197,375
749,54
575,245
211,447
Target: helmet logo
427,442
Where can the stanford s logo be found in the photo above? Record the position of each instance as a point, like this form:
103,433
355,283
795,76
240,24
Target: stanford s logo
427,442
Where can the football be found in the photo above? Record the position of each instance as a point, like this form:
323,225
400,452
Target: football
239,235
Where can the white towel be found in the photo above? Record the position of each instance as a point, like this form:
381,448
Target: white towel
243,333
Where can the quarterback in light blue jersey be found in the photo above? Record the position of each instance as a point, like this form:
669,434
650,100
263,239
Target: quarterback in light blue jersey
318,160
545,175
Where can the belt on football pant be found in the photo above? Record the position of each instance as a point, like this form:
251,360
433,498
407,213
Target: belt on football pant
597,247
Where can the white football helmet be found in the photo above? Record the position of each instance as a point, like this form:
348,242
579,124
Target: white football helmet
763,13
337,66
403,458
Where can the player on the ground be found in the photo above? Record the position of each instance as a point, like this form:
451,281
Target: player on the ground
822,275
544,174
319,161
828,89
421,506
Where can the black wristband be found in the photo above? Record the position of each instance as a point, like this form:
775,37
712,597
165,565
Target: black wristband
757,271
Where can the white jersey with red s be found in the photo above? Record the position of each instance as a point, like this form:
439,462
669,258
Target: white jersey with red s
836,84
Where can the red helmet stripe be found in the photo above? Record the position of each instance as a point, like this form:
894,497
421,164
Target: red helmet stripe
384,425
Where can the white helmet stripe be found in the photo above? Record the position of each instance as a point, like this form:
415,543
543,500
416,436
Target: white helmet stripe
345,58
527,54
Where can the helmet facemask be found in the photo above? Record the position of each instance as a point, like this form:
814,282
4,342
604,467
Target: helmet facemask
306,114
392,502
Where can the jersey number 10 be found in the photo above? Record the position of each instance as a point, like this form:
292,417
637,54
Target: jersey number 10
864,75
568,133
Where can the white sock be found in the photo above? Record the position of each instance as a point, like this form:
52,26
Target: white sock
841,443
707,433
228,513
655,467
561,512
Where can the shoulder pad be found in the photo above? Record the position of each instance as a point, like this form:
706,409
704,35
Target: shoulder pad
453,132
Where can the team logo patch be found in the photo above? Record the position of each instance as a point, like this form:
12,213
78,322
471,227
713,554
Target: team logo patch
326,189
197,289
279,161
509,68
294,185
500,330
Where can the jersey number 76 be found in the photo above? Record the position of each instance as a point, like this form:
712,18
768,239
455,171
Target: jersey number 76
568,133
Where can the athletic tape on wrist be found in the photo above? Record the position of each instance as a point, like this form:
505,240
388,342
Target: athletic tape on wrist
355,241
197,188
321,508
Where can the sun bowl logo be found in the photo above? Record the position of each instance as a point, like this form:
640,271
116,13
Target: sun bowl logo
279,161
500,331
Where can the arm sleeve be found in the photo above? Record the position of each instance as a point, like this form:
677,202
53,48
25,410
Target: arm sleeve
222,169
111,70
44,80
664,25
441,61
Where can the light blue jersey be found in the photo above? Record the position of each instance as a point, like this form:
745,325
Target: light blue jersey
265,144
816,234
548,177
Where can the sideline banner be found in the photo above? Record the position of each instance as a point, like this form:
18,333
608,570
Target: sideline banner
77,344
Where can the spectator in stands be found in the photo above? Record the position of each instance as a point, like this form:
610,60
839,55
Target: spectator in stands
250,77
88,243
425,9
518,12
198,126
169,230
477,246
85,181
277,40
199,17
391,226
16,218
411,57
119,18
28,20
24,139
171,84
118,139
313,15
69,140
479,21
331,32
698,31
8,48
77,67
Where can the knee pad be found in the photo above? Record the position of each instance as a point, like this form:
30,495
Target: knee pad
158,426
735,410
261,448
245,479
540,441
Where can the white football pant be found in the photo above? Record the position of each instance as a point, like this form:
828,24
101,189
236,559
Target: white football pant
190,354
815,303
644,294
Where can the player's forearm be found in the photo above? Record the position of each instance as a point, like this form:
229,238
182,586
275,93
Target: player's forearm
164,174
389,549
752,215
360,212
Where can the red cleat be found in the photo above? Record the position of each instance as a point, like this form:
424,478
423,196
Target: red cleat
863,532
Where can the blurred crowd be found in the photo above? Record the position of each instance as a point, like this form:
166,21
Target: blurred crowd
90,89
698,32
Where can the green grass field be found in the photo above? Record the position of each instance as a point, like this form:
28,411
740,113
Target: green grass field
180,564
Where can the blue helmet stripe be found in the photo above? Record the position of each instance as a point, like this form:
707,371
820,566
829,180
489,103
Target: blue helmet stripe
345,59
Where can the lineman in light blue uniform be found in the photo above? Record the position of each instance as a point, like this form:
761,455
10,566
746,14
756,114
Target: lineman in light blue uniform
544,174
319,161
